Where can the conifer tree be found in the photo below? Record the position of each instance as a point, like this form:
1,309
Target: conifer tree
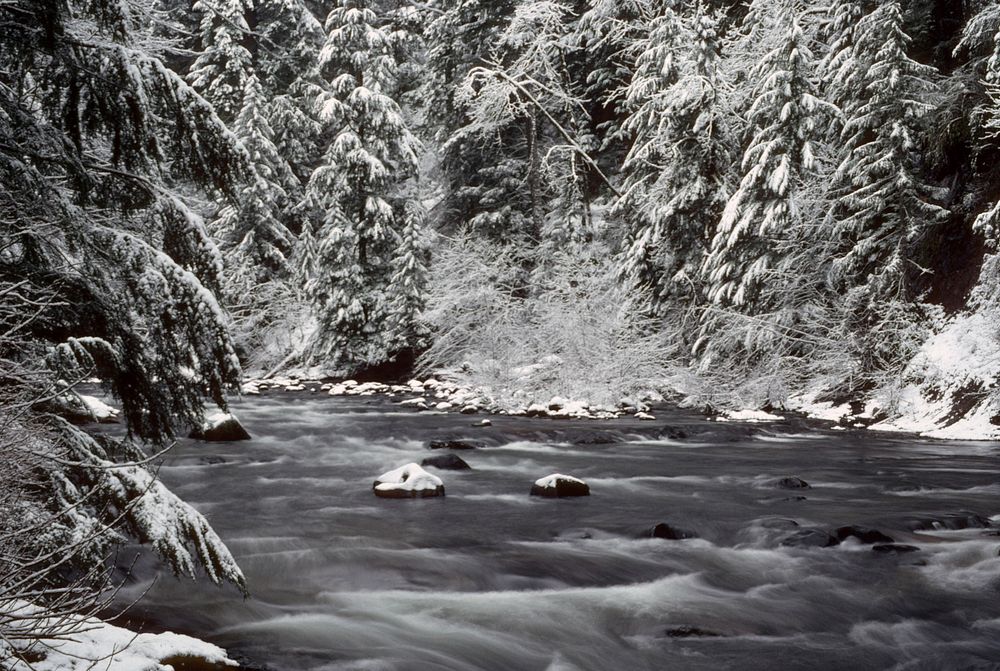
885,209
783,119
221,70
119,271
675,187
258,242
354,189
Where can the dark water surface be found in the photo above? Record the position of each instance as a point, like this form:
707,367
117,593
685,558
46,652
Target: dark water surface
490,578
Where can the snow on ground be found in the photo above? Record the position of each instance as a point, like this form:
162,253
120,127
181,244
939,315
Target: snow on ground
825,410
950,389
82,644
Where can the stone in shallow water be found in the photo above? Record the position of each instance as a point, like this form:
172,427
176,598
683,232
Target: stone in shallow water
810,538
558,485
687,631
453,445
894,548
792,483
407,482
864,535
220,427
963,519
669,532
448,462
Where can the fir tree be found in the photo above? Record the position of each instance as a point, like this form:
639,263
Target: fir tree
372,151
92,125
886,210
783,118
408,286
221,70
258,241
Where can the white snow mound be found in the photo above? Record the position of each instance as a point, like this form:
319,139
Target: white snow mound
81,644
410,480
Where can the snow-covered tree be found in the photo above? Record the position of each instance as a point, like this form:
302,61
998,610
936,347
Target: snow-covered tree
220,71
354,190
408,286
111,271
783,120
258,241
886,209
675,187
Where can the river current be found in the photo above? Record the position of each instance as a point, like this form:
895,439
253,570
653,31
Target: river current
491,578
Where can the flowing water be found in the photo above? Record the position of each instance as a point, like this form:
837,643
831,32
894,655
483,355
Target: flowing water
490,578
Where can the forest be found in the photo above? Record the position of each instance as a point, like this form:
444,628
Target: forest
770,204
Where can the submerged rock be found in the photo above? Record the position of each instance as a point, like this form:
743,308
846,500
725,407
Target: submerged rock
407,482
894,548
453,445
792,483
220,427
810,538
963,519
687,631
668,532
447,462
864,535
558,485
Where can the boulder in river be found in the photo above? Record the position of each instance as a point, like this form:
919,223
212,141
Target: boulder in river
687,631
447,462
810,538
558,485
669,532
894,548
792,482
453,445
963,519
863,535
408,482
220,427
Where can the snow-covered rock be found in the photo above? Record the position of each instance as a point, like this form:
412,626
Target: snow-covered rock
99,410
558,485
220,427
644,415
82,644
409,481
415,403
749,416
444,405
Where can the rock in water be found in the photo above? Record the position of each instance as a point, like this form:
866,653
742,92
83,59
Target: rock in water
810,538
894,548
408,482
792,483
668,532
447,462
220,427
453,445
687,631
864,535
558,485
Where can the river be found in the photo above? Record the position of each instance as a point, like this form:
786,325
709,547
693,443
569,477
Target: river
490,578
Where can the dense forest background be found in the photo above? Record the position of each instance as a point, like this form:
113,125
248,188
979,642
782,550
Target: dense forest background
738,203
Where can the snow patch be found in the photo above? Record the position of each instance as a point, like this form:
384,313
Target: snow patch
406,481
749,416
83,643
